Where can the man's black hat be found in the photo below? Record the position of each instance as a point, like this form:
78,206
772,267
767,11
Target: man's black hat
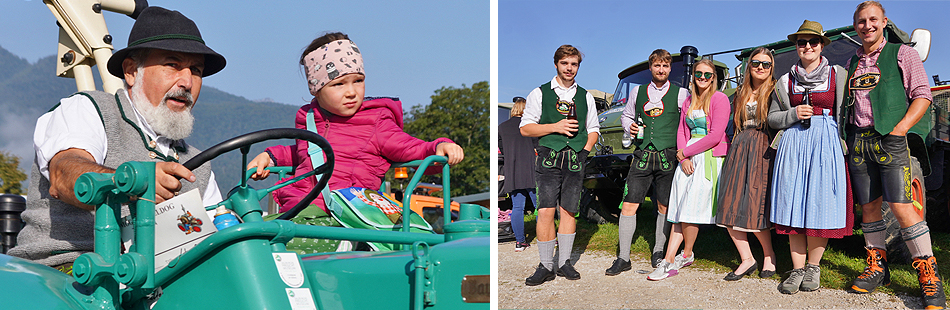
159,28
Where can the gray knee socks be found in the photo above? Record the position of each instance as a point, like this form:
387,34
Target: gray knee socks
874,234
546,251
565,243
628,224
917,238
662,232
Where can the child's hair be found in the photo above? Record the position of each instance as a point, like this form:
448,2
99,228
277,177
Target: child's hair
745,93
701,101
320,41
567,50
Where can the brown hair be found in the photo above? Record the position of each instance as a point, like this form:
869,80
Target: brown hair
517,110
740,116
705,97
567,50
865,5
322,40
660,55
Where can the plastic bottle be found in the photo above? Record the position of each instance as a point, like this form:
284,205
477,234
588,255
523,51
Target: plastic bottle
224,219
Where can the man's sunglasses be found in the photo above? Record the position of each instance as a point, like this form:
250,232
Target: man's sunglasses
699,74
812,41
764,64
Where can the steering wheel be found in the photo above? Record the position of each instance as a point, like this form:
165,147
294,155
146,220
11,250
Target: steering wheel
245,141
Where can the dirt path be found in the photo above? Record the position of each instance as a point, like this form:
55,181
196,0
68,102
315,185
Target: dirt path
692,288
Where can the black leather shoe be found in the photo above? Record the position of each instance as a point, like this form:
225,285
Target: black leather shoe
766,273
540,276
732,276
567,271
618,266
656,258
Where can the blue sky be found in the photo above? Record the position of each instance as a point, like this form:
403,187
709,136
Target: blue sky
410,48
614,35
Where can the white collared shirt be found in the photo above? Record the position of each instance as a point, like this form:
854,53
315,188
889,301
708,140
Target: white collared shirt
654,93
532,108
76,124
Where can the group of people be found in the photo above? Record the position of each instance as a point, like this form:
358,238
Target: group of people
804,149
163,67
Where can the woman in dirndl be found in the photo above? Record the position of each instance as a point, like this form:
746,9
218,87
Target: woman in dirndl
810,187
744,181
701,145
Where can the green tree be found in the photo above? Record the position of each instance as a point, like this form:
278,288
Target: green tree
11,177
460,114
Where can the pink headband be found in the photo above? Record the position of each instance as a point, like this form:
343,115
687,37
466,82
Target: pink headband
330,61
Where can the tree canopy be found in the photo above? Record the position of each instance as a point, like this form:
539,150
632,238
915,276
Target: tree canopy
11,177
460,114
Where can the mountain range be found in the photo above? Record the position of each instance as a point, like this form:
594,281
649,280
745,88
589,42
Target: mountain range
29,90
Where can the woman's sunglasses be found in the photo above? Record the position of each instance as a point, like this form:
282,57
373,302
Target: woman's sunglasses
699,74
812,41
764,64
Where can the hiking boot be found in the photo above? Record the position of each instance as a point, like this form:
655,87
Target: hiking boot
930,283
812,279
618,266
567,271
663,270
681,261
875,274
521,246
656,259
793,283
540,276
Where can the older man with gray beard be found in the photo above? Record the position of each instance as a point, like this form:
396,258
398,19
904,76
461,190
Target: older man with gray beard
162,67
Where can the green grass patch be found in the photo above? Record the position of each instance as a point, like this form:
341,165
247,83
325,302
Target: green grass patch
842,262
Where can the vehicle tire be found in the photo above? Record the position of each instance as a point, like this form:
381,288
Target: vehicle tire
897,251
938,197
605,203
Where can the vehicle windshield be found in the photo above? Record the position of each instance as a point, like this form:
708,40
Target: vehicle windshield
839,52
642,77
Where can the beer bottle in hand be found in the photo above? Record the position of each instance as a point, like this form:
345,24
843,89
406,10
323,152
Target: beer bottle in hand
806,100
571,114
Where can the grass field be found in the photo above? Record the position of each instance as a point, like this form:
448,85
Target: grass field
843,260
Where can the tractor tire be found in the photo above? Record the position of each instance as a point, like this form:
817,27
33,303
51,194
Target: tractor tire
938,194
897,251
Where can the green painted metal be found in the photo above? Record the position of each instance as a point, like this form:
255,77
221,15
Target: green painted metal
446,187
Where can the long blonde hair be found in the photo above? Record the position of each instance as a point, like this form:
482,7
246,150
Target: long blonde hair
702,100
740,116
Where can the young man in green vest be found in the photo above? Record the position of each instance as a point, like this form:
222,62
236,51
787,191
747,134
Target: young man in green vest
656,107
564,116
891,105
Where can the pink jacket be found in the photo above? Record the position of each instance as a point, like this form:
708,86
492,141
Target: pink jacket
719,111
364,145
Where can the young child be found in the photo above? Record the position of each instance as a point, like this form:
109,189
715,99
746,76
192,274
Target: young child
366,136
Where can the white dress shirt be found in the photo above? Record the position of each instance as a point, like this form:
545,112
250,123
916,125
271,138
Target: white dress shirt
76,124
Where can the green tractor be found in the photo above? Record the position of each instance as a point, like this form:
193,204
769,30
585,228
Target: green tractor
245,266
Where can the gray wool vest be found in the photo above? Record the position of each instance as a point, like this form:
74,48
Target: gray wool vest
55,232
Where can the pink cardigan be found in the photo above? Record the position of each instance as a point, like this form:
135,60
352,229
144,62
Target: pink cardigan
364,145
718,118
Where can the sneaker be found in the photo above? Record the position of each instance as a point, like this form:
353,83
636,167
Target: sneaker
681,261
618,266
930,283
663,271
567,271
793,283
657,258
875,274
812,279
540,276
521,246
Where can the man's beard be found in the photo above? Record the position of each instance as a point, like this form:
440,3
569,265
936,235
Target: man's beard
164,121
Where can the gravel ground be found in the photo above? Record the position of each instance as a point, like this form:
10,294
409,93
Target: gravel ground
692,288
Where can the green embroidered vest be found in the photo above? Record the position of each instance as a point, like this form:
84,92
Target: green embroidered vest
553,111
659,126
888,98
